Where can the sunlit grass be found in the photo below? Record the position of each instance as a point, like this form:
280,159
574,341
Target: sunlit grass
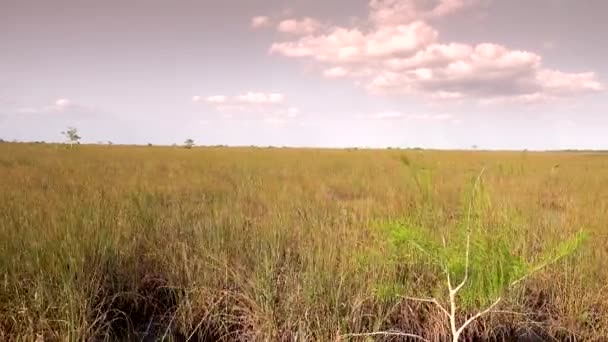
100,242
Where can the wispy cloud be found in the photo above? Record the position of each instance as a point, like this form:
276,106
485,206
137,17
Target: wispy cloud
261,22
302,26
270,107
60,109
397,115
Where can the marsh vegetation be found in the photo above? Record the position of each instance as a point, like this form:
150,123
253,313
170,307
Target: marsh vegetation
248,244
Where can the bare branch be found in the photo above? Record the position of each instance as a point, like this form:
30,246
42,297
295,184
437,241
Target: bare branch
429,300
466,269
479,314
536,269
447,273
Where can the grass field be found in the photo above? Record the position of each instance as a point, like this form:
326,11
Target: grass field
255,244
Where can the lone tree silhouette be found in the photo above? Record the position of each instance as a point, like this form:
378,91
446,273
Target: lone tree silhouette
188,143
72,135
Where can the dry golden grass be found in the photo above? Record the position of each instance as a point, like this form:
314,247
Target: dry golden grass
118,243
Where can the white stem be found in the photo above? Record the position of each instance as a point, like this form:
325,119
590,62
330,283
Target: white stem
470,320
453,315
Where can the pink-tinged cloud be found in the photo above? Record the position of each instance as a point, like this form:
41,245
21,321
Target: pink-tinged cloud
396,115
269,107
335,72
215,99
261,22
292,112
62,103
557,81
261,98
61,107
397,52
394,12
388,115
303,26
341,45
256,98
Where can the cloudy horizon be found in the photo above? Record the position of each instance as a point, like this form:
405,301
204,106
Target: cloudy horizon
446,74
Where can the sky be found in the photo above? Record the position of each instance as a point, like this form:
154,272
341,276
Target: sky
447,74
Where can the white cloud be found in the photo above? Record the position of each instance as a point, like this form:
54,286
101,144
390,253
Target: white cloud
342,45
443,117
275,121
292,112
260,22
398,52
260,98
388,115
270,107
404,11
59,107
215,99
62,103
335,72
396,115
303,26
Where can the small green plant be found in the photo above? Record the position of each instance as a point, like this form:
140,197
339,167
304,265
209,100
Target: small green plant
487,274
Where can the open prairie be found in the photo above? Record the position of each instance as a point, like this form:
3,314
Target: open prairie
258,244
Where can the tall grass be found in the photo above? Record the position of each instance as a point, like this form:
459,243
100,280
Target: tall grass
122,243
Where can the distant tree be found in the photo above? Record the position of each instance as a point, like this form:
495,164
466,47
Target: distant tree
474,147
189,143
72,135
110,143
2,140
149,144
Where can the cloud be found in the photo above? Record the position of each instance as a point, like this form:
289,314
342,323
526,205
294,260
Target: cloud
292,112
260,98
62,103
306,25
215,99
59,105
270,107
397,52
63,108
335,72
248,98
396,115
404,11
342,45
388,115
261,22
